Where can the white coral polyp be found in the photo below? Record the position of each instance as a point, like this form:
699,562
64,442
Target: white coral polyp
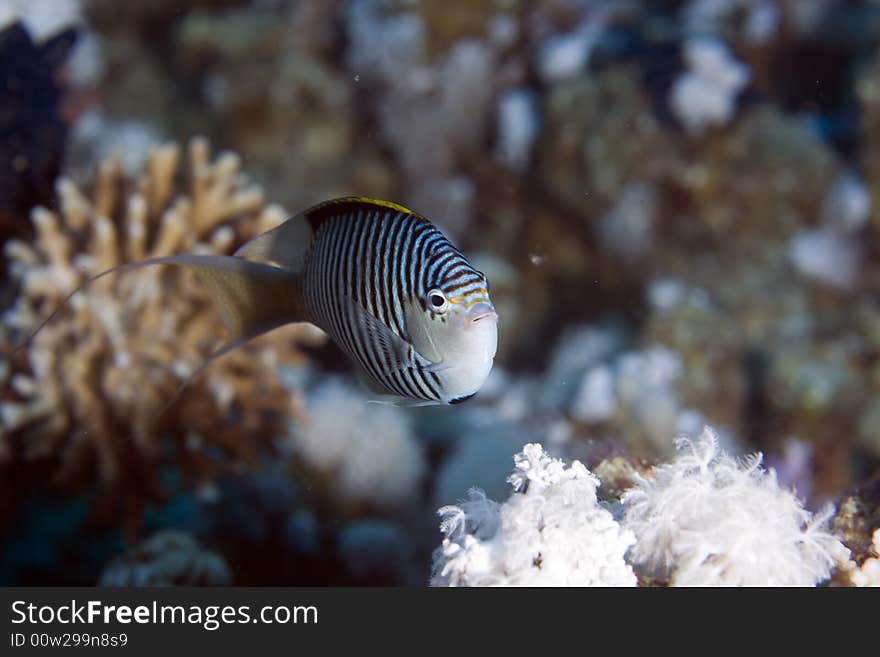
705,95
550,532
706,520
368,451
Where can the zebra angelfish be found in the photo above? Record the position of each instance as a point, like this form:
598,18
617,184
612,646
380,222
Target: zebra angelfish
399,299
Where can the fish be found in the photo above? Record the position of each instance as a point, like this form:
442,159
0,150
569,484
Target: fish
410,312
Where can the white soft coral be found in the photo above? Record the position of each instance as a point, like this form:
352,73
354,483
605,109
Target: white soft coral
551,532
705,520
368,452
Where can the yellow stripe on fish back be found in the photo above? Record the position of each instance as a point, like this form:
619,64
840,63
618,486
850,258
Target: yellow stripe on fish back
318,214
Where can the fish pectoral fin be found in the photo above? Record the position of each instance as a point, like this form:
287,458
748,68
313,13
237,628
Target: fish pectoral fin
437,367
420,334
395,351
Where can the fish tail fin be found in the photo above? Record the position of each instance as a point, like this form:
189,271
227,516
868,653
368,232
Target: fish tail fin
252,297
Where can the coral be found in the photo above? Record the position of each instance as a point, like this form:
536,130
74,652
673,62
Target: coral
595,399
168,558
600,135
252,75
832,254
364,453
88,393
518,127
675,203
847,206
705,520
562,56
550,532
636,393
646,393
452,92
765,202
706,94
866,574
685,318
616,475
627,228
578,350
858,517
826,256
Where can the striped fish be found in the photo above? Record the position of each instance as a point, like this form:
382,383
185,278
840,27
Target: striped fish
401,301
388,287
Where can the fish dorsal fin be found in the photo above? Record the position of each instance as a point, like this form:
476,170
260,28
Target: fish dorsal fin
395,352
318,214
286,245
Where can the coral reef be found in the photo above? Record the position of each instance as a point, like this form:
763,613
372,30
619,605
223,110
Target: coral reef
168,558
88,394
676,205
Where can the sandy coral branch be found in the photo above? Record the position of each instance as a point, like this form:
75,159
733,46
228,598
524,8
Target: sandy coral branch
89,389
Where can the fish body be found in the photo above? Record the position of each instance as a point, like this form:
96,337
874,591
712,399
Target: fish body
403,303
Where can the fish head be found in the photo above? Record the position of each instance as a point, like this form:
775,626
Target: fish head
453,324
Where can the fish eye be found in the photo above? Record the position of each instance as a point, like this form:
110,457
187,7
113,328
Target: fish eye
437,301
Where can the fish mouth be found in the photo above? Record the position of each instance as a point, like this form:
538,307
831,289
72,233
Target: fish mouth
481,311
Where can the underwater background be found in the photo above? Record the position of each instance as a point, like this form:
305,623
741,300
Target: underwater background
677,205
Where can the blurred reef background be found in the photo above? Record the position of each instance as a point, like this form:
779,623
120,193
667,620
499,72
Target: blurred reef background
677,204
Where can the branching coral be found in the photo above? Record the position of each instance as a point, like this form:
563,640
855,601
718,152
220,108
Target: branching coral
705,520
89,393
551,532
